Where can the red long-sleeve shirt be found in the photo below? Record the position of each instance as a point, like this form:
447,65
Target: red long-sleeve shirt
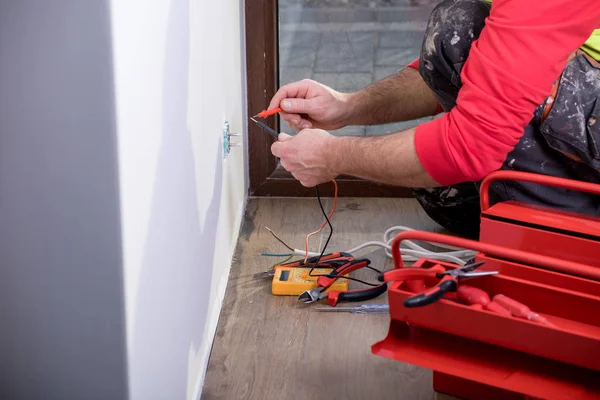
510,71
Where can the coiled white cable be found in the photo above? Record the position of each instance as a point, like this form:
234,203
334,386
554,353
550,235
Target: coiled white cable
412,251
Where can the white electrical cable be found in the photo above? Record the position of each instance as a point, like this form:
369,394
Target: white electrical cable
412,252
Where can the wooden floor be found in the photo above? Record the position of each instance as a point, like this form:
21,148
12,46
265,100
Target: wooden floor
270,347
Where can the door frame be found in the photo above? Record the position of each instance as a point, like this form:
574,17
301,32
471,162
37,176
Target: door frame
262,69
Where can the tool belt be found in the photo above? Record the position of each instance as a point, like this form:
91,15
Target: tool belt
575,97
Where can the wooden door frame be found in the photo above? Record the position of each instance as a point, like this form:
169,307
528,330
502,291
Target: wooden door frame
262,61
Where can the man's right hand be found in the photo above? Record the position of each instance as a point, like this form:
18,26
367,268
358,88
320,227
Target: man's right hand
309,104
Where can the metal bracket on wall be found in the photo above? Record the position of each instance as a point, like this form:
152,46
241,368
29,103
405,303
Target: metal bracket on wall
227,135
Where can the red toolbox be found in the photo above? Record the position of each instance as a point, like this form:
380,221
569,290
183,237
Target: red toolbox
477,354
542,230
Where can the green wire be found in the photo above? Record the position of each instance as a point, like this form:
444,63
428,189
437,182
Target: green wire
275,254
283,262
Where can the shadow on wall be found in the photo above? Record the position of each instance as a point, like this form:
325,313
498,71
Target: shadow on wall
174,287
61,290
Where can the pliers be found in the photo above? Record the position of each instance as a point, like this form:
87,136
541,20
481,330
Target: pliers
449,280
334,296
325,262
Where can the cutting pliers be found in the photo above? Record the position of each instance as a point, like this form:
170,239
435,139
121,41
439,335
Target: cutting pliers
334,296
448,281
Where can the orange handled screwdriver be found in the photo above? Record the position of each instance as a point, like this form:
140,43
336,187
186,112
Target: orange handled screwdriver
520,310
498,309
472,295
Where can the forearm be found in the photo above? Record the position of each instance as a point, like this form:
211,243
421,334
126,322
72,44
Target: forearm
403,96
389,159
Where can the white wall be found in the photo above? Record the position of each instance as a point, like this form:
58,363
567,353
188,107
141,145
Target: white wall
178,74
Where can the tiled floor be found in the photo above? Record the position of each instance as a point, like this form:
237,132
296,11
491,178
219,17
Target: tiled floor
349,44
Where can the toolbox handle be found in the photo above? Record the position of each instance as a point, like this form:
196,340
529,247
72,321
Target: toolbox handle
547,180
551,263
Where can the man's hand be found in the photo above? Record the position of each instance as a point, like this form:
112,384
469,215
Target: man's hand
306,156
403,96
314,156
309,104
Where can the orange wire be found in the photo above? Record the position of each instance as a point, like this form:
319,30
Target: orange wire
335,195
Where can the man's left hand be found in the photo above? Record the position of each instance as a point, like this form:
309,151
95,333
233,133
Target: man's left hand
307,156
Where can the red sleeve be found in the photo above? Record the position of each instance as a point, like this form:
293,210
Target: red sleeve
510,71
414,64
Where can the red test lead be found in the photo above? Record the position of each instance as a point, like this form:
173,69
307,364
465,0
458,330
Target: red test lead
268,113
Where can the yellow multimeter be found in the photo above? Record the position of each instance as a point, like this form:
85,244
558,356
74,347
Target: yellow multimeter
293,281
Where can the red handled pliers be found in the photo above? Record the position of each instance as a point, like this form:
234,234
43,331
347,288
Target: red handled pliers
449,280
334,296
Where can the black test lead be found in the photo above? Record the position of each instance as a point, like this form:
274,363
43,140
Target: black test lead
266,128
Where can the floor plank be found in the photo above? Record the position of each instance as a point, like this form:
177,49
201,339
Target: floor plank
259,339
339,363
270,347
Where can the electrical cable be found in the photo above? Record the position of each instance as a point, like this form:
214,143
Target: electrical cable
290,248
412,251
276,254
327,222
282,262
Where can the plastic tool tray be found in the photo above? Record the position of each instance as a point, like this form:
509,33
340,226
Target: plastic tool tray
503,352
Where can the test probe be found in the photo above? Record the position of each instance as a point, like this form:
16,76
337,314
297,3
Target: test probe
262,125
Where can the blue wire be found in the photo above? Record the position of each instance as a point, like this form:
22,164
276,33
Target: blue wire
275,255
